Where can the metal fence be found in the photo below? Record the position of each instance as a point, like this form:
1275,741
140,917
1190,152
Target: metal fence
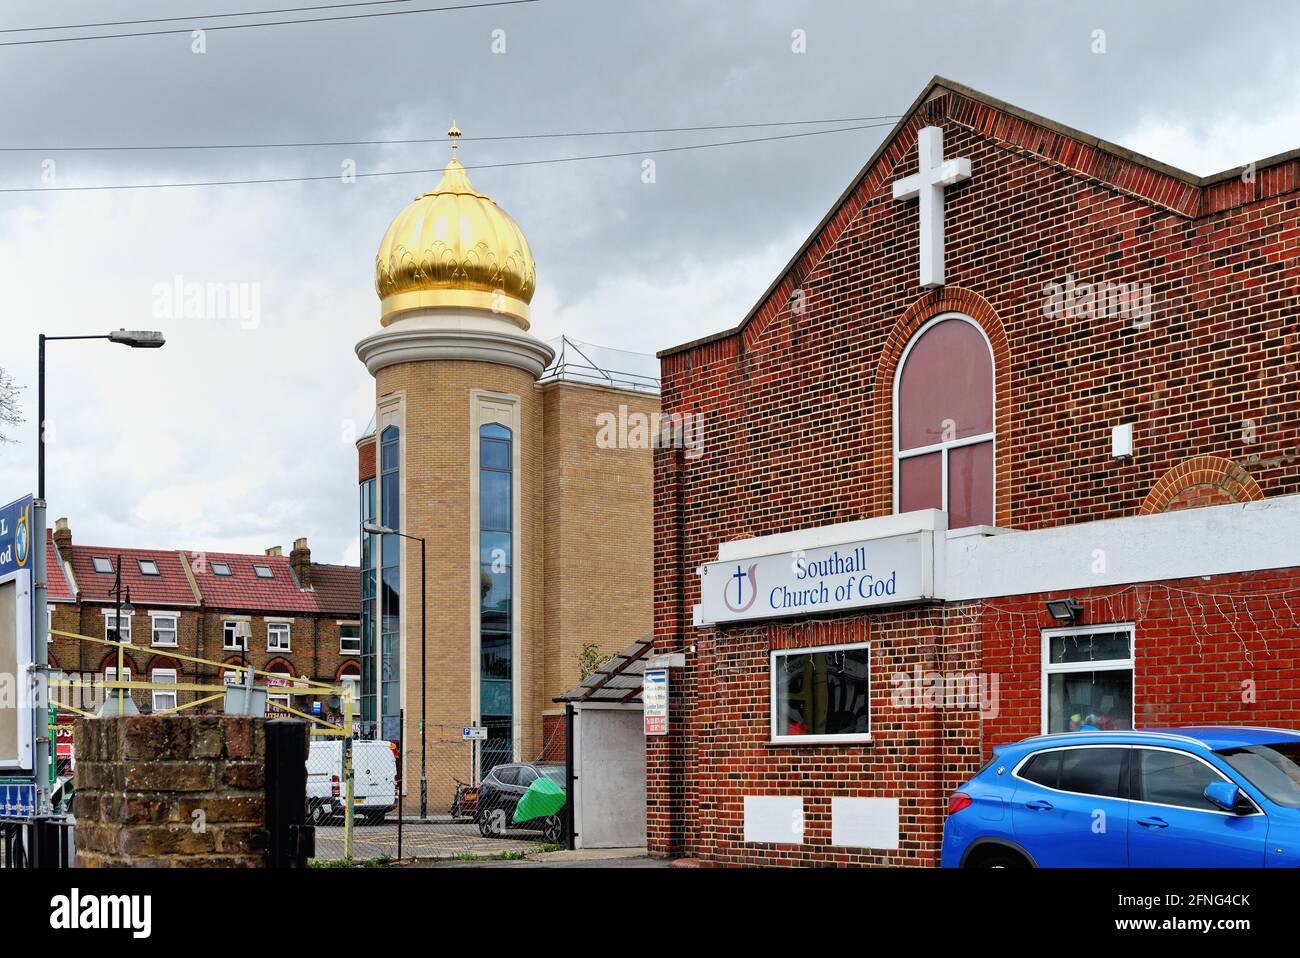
482,797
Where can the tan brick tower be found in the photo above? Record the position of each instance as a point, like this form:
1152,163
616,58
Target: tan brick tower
463,458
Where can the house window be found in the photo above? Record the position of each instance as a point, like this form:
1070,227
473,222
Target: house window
220,568
232,677
277,637
103,565
230,640
1088,678
263,572
275,704
822,694
350,638
164,698
164,629
110,675
148,567
121,625
943,431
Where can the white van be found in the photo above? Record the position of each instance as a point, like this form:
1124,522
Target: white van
374,780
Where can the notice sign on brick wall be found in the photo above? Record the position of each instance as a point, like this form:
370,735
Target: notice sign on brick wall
654,699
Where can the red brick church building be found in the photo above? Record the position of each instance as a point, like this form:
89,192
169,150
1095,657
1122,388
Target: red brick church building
1010,446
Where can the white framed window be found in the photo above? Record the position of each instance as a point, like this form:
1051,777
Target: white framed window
110,675
164,698
349,638
122,624
230,640
944,422
821,694
164,627
274,702
1088,678
277,637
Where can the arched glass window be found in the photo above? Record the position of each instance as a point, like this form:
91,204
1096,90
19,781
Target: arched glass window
390,584
496,603
943,436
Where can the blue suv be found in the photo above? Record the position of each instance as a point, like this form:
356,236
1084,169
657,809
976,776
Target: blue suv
1178,798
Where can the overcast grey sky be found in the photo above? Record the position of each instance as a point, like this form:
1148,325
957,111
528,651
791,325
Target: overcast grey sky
239,436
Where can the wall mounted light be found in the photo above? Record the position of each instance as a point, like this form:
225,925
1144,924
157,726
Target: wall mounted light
1064,610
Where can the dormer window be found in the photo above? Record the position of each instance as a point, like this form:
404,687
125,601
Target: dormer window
103,565
148,567
263,572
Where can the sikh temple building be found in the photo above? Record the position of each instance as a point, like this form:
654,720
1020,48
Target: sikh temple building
488,473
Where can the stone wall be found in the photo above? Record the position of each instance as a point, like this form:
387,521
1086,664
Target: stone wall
170,791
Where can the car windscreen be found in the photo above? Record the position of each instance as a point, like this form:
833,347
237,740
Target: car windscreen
554,772
1273,769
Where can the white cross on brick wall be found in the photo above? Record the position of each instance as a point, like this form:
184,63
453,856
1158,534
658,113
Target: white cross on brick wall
928,185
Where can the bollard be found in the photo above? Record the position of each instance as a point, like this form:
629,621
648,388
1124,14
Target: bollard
290,841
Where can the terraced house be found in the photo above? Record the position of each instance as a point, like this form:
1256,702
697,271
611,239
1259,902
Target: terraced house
303,617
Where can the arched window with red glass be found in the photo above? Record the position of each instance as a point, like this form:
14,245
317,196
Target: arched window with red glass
943,422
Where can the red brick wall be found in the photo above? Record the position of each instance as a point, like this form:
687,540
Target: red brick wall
797,408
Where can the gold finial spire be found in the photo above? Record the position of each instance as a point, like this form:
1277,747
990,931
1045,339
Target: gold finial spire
454,133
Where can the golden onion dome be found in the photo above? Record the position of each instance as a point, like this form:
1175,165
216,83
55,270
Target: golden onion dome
454,247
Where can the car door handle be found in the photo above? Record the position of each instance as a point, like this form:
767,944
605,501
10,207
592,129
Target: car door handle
1153,823
1038,805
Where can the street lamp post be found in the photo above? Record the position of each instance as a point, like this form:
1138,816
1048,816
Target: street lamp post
375,528
135,338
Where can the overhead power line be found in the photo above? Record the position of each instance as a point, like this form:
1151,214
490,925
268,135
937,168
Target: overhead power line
202,16
481,166
439,139
266,23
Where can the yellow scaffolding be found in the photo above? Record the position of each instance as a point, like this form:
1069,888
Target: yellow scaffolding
320,727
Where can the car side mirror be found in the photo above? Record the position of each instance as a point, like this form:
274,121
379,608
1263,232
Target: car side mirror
1227,797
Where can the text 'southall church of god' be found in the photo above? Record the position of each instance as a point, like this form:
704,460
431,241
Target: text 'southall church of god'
1009,447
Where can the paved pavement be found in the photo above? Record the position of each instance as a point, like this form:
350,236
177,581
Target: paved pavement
436,839
437,843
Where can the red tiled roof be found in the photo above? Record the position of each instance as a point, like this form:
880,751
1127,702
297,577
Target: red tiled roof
337,589
243,589
170,587
58,589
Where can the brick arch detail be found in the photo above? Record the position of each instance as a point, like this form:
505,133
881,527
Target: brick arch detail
950,299
109,661
1218,476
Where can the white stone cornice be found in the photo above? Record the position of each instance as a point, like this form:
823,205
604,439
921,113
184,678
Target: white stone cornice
443,335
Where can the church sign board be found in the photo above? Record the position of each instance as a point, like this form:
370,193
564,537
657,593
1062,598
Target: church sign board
894,570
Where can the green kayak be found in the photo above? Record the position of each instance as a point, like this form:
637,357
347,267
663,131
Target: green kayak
543,799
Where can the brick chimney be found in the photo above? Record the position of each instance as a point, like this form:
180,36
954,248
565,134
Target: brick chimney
274,551
300,562
63,537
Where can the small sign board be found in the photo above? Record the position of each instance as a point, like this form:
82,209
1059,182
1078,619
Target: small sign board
18,800
654,701
17,636
473,733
